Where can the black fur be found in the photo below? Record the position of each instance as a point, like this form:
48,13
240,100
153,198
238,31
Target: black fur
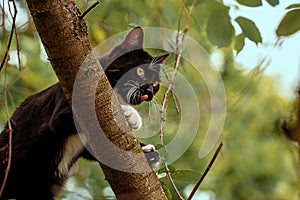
43,127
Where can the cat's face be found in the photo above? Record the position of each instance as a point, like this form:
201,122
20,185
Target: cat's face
133,72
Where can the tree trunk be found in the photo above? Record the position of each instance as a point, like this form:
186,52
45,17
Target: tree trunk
65,39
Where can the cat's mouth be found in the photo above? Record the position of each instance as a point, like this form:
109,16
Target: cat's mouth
138,97
144,97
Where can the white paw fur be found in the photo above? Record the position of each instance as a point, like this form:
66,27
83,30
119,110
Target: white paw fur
148,148
133,117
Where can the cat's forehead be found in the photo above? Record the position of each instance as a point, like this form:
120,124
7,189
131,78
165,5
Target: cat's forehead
130,53
149,66
137,57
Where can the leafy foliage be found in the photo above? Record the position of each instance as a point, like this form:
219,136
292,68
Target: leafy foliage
273,2
249,29
296,5
219,29
290,23
186,176
252,3
239,42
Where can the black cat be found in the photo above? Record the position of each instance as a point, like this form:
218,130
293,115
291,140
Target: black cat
45,142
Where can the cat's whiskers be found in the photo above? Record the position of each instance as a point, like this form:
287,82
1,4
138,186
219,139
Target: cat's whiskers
130,93
132,83
153,63
112,70
129,87
137,96
154,104
155,58
156,55
154,67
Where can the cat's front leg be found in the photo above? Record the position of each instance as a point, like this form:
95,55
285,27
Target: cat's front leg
133,117
135,121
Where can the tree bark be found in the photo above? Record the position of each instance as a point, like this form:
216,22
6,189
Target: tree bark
64,36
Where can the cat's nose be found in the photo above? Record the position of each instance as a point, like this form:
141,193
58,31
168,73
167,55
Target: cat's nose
147,91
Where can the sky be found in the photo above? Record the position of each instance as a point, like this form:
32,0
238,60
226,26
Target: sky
284,60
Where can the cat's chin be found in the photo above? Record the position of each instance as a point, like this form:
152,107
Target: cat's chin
135,100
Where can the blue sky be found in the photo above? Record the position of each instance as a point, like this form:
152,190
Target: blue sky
284,60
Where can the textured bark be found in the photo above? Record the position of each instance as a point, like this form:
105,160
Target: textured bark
292,128
64,36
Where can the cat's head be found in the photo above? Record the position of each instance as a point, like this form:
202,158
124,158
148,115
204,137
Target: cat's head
133,72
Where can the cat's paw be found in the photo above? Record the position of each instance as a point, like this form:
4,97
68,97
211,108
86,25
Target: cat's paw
151,154
133,117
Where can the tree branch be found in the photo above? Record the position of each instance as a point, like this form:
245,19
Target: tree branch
8,148
88,10
178,51
12,31
206,171
65,39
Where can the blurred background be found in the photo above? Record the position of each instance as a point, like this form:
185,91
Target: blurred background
252,48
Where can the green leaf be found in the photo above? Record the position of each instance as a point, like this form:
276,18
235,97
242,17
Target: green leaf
166,190
186,176
249,29
162,151
239,43
250,3
296,5
289,24
219,28
171,168
190,2
159,146
163,170
273,2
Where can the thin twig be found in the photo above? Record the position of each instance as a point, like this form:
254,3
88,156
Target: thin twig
172,182
4,62
18,50
173,94
17,38
2,17
178,51
88,10
171,82
13,26
206,171
178,31
9,130
175,102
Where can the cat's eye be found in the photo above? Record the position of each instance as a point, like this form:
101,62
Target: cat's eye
155,83
140,71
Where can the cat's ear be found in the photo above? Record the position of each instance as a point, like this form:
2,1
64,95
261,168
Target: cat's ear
161,58
134,39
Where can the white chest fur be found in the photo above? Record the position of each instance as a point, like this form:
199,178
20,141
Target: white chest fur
73,146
